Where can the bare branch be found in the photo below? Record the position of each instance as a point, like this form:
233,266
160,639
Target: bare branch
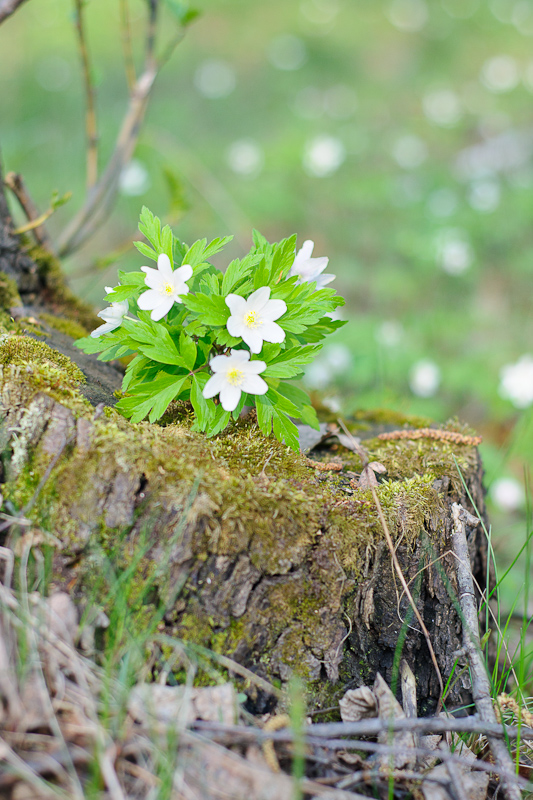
101,198
480,682
125,32
14,182
8,7
91,128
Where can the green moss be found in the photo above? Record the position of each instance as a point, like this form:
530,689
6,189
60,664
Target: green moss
26,351
69,327
210,502
387,416
9,294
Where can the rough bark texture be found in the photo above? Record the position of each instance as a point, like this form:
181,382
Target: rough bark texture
248,549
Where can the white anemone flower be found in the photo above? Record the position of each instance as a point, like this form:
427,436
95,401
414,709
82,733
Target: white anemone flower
235,374
516,382
112,316
165,287
253,319
309,269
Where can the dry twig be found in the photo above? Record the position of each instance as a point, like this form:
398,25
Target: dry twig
480,682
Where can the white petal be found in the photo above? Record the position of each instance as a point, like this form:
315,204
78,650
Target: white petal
220,364
305,252
229,396
255,367
108,289
165,304
271,332
215,383
236,304
259,298
236,327
240,356
184,272
273,310
149,299
153,279
254,338
163,265
254,385
105,328
323,280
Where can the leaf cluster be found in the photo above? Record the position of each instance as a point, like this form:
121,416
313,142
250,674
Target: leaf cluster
169,359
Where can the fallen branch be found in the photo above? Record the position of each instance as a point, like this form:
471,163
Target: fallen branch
14,182
480,682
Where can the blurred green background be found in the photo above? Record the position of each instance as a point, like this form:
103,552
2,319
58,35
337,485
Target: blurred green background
397,134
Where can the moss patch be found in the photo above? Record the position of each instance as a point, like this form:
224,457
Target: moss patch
25,351
69,327
9,294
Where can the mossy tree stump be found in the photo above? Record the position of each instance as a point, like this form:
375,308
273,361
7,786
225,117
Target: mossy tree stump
253,552
249,550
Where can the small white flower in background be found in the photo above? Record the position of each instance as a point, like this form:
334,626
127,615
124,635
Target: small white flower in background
323,156
390,333
166,286
253,319
112,316
507,494
516,382
424,378
309,269
454,252
235,374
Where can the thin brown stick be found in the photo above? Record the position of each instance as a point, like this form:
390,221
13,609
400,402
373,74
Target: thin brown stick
125,35
153,8
8,7
480,682
14,182
98,202
91,128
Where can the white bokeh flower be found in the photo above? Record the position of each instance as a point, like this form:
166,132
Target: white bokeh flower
508,494
235,374
165,287
253,319
424,378
112,316
516,382
309,269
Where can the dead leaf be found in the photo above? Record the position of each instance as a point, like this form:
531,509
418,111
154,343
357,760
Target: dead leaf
179,704
390,710
358,704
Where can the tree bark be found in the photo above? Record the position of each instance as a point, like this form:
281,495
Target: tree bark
244,547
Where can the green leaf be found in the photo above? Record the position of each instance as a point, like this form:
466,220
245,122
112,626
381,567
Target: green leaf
306,412
145,250
237,271
271,417
154,341
211,282
187,350
219,422
211,309
289,362
153,401
286,431
122,293
131,278
204,409
182,11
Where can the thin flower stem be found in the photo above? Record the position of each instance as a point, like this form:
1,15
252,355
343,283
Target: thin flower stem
91,128
125,31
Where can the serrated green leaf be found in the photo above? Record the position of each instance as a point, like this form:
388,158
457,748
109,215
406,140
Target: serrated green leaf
154,341
122,293
211,309
219,422
153,400
286,431
211,282
238,271
145,250
289,363
187,350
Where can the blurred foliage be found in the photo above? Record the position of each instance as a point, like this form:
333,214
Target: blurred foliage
396,134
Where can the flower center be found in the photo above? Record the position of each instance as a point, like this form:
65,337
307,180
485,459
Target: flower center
252,319
167,288
235,376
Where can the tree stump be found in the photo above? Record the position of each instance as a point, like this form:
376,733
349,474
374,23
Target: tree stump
235,544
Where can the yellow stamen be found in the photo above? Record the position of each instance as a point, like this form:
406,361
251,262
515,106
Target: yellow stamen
252,319
168,288
235,376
